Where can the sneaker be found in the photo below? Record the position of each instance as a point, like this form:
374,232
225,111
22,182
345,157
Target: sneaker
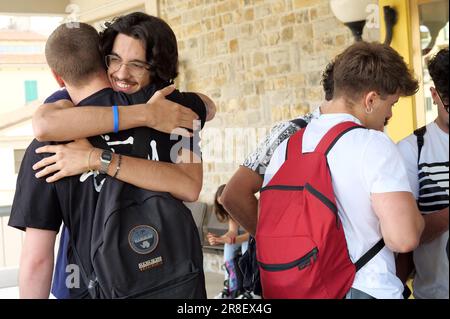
224,294
248,295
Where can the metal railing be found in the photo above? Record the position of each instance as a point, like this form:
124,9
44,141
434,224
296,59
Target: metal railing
10,240
10,246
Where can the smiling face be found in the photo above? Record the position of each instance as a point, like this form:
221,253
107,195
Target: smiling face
128,77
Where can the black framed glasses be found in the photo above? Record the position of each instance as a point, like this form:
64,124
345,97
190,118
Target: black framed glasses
114,63
444,102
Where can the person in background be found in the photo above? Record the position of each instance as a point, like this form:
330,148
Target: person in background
232,241
426,157
369,179
239,195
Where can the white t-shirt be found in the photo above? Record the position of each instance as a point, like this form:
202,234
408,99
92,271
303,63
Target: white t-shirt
361,162
429,184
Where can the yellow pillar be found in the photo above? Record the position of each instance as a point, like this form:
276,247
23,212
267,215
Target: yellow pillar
404,120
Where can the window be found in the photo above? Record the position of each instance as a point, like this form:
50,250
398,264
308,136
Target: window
430,34
18,49
429,104
18,157
30,91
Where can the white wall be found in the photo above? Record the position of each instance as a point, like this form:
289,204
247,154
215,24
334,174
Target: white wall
15,137
13,78
93,11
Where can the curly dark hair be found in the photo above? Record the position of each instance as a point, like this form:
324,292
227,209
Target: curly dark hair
327,81
438,68
158,38
221,214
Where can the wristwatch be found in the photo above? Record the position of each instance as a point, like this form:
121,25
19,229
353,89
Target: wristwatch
105,161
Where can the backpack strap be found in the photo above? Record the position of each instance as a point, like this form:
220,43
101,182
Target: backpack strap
90,282
294,145
420,132
369,255
333,135
324,147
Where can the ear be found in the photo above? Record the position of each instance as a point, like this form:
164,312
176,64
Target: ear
434,95
58,79
370,98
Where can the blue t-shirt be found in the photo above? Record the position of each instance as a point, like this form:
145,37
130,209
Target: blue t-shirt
58,95
59,288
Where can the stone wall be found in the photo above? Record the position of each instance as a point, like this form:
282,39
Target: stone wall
260,61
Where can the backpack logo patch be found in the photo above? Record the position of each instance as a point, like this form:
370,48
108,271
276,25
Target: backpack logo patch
143,239
149,264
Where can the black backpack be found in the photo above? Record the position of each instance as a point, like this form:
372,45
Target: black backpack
419,133
248,264
144,244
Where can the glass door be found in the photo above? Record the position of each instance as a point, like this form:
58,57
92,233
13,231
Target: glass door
430,31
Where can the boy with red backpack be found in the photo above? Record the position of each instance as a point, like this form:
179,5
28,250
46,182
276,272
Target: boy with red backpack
335,189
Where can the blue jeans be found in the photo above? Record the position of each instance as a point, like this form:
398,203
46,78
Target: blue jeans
229,252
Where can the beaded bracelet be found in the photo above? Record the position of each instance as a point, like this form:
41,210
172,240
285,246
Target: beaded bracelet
89,159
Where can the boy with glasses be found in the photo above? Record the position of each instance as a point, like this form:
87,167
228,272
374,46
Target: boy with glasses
426,157
39,204
114,63
137,57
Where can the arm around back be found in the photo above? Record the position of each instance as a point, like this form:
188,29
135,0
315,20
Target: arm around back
61,121
183,179
210,106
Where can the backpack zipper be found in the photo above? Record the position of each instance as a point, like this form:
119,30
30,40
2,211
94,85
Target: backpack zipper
283,188
312,191
325,201
301,263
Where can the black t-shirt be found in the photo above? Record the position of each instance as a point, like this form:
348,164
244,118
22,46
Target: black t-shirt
38,204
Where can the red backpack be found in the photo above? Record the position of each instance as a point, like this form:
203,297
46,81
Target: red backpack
301,246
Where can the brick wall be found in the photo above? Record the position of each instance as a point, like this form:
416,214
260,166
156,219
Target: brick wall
260,61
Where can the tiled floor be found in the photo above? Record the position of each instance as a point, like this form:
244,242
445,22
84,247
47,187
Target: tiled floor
9,293
214,284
